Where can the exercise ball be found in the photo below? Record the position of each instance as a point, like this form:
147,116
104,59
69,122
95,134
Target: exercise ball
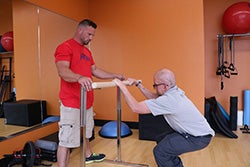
7,41
236,18
109,130
1,46
51,119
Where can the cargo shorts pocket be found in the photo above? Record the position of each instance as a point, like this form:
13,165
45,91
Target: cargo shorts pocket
68,133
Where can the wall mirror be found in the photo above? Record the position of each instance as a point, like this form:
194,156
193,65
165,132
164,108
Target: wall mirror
37,33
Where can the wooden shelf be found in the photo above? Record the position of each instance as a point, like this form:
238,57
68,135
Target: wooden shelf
6,55
2,53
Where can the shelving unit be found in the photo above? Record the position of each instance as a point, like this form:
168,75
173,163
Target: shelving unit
232,35
224,69
6,74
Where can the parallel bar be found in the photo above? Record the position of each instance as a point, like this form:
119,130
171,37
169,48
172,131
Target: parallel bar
119,159
125,163
83,110
118,108
99,85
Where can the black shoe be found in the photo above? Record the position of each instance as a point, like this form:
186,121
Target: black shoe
95,158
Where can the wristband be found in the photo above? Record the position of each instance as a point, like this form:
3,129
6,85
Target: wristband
138,83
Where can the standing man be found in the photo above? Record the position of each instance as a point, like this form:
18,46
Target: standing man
76,66
192,131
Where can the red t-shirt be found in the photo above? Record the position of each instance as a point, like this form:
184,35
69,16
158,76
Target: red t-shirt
81,60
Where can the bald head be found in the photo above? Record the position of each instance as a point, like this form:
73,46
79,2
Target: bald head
166,76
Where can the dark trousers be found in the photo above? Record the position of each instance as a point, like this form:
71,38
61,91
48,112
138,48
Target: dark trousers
167,151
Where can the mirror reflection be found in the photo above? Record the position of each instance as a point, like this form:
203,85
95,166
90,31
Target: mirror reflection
34,75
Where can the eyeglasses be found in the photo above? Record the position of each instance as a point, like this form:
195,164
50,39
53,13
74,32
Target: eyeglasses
156,85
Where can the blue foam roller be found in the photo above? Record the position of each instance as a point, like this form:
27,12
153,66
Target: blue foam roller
109,130
223,111
246,113
1,46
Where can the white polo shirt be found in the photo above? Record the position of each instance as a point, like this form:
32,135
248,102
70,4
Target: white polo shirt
180,113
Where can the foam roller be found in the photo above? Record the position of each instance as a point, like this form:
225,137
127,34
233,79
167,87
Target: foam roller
246,113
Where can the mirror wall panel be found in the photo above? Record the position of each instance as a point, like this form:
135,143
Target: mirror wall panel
54,29
37,32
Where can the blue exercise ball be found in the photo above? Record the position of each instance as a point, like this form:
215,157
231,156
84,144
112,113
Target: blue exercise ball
51,119
109,130
1,46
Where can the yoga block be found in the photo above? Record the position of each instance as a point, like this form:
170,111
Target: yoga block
24,112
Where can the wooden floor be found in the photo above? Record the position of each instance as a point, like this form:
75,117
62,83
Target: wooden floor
7,130
222,152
